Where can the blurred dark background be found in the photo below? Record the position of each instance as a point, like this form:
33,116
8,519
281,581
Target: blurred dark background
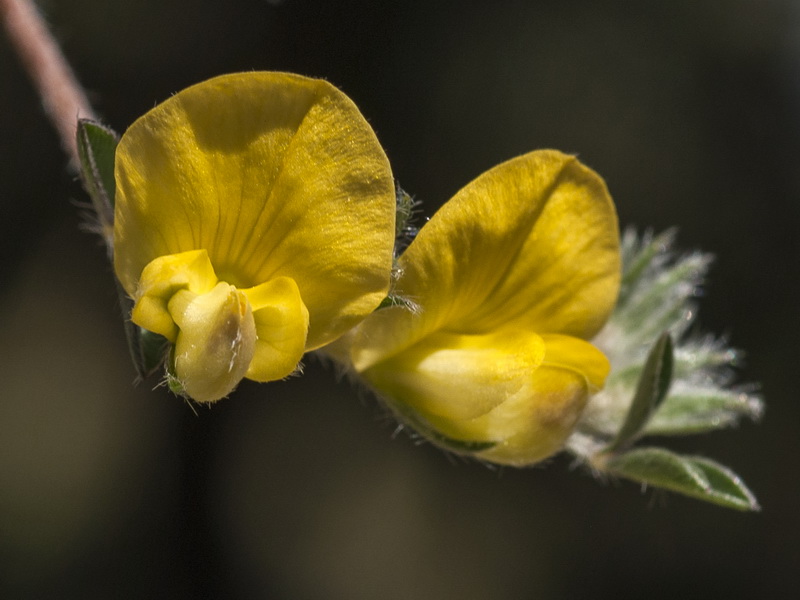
690,110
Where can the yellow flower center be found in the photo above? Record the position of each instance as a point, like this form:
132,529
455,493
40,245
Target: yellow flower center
221,333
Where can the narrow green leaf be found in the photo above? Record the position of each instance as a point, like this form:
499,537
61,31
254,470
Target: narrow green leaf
96,147
638,259
663,303
692,476
703,353
701,409
98,144
651,390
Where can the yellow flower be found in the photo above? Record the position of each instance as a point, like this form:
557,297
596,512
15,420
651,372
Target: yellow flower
254,221
511,277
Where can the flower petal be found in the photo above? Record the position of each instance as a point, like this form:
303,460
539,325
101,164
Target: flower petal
531,243
577,355
281,321
274,175
216,340
459,376
530,431
161,279
528,427
528,421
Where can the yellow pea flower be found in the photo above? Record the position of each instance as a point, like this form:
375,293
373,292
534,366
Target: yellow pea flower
512,276
254,221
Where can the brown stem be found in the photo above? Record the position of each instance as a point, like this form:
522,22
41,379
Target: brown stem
62,96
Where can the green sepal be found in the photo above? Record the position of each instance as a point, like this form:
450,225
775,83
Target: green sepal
390,301
460,446
651,390
692,476
173,383
404,230
96,147
154,348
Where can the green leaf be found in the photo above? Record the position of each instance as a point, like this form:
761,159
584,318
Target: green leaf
692,476
703,353
701,409
639,258
657,286
651,390
663,303
96,147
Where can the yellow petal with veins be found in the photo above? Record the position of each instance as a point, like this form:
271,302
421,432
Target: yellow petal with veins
510,278
274,175
531,243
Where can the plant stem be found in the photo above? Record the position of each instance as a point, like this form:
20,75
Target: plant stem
62,96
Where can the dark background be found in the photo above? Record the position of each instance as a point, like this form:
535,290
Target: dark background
690,110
